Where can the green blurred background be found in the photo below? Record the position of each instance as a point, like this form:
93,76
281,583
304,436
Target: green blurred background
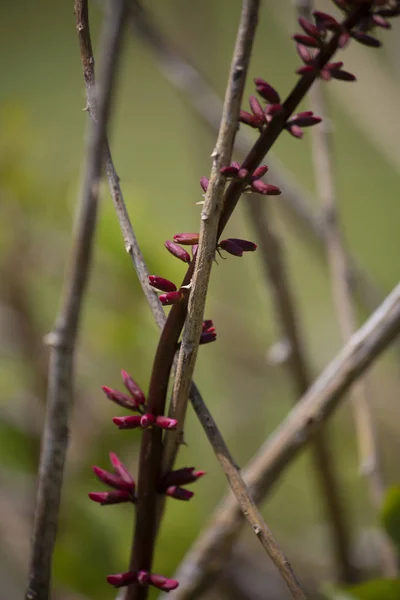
161,148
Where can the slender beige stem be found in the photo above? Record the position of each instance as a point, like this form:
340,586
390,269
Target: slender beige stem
361,392
64,337
271,252
212,549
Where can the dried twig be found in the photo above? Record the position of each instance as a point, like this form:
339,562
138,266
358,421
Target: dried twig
179,71
63,338
345,310
271,252
212,549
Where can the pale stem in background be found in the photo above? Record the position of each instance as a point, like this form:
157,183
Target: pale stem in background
64,336
211,551
345,310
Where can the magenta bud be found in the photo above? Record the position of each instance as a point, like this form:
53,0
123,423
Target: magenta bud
243,173
249,119
306,40
260,171
295,131
177,251
194,249
204,183
267,91
133,388
207,325
147,421
230,247
128,422
309,28
186,239
164,285
122,579
256,108
245,245
121,470
116,497
143,577
171,298
273,109
305,69
304,54
178,493
343,39
181,477
266,189
162,583
119,398
165,422
113,480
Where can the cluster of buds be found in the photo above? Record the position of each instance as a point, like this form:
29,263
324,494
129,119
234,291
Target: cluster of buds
143,578
254,182
135,401
236,246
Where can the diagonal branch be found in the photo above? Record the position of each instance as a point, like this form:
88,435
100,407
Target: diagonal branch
64,337
271,251
210,552
345,310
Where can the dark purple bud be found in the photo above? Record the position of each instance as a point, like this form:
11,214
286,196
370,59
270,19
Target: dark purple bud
177,251
207,337
178,493
260,171
204,183
388,12
325,21
113,480
164,285
307,40
165,422
249,119
181,477
230,171
342,75
365,39
266,189
133,387
256,108
164,584
267,91
171,298
305,69
305,120
245,245
231,247
116,497
186,239
309,28
122,579
121,470
119,398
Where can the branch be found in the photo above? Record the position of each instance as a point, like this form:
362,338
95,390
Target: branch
203,98
64,337
345,310
271,252
307,418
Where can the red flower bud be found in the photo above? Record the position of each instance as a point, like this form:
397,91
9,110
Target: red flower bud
177,251
309,28
120,469
166,422
147,421
119,398
133,388
178,493
256,108
306,40
266,189
245,245
171,298
260,171
267,91
122,579
249,119
204,183
162,583
116,497
128,422
181,477
186,239
113,480
231,247
164,285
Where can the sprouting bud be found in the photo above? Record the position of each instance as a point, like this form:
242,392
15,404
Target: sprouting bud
307,40
231,247
265,189
309,28
267,91
133,388
164,285
365,39
122,579
120,469
245,245
186,239
144,578
171,298
181,477
177,251
120,398
249,119
204,183
163,583
115,497
260,171
166,422
178,493
145,421
114,480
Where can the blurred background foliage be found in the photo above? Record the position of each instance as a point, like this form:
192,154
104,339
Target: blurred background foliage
161,148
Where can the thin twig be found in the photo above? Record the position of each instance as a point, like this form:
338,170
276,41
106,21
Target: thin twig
216,440
345,310
63,338
179,71
212,549
271,252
